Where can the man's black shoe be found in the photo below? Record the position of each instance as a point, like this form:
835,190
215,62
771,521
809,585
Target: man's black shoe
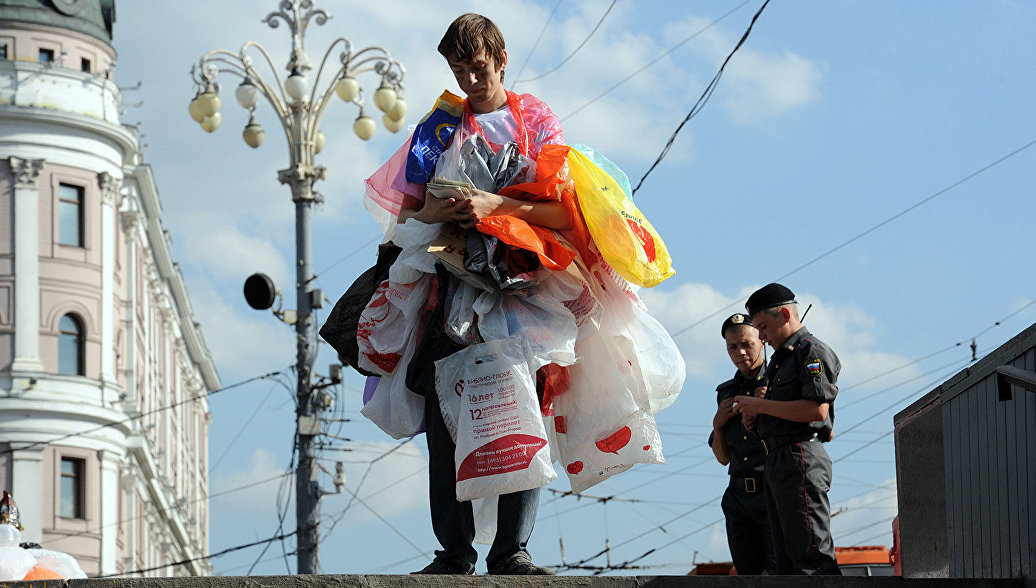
444,568
520,564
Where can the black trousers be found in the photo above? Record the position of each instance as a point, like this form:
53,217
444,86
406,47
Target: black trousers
798,477
748,529
453,521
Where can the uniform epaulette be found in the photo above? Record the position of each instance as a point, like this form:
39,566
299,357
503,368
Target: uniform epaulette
732,382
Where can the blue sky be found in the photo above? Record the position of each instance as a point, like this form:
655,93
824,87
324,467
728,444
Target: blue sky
833,117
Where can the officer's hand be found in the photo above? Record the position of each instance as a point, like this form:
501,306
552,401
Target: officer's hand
748,422
748,406
760,392
723,414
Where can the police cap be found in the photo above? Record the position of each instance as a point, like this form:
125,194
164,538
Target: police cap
734,320
769,296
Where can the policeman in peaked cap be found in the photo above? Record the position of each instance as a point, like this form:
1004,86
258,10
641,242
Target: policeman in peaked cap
744,500
793,415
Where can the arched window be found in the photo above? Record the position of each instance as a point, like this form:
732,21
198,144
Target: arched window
70,346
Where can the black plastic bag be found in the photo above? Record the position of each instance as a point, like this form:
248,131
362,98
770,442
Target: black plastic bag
435,343
340,327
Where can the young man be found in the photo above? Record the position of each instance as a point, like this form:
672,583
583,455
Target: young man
744,501
474,49
792,415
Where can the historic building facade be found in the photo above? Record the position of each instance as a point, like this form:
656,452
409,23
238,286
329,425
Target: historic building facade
103,371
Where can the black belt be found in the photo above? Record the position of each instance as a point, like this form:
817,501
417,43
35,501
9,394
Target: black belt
772,442
750,484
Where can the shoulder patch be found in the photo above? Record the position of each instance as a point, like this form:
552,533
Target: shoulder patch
814,366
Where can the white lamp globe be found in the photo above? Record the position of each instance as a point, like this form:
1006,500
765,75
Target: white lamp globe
195,109
247,94
295,86
347,88
211,123
319,142
209,103
253,134
364,126
393,125
398,110
384,98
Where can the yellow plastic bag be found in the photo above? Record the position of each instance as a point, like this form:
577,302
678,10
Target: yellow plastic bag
625,238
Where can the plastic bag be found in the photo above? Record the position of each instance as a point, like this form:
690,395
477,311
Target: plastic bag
431,137
501,440
54,564
625,238
15,562
392,406
340,328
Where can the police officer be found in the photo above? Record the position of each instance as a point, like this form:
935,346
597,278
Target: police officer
792,415
744,501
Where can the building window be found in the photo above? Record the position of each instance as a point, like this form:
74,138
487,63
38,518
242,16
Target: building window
46,56
72,487
70,346
3,51
85,65
70,215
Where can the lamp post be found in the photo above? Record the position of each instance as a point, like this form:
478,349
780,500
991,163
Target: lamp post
299,107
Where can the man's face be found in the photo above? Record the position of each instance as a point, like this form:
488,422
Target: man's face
744,348
480,79
768,326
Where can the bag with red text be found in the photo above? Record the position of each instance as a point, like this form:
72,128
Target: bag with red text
488,398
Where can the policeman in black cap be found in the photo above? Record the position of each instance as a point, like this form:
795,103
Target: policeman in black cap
744,501
792,415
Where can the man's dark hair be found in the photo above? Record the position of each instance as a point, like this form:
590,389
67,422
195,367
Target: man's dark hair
469,36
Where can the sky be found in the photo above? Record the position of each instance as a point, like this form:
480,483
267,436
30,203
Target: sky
873,156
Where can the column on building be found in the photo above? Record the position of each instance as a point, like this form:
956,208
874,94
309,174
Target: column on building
27,487
109,466
109,186
26,173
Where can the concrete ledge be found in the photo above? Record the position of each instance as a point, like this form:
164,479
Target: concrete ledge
374,581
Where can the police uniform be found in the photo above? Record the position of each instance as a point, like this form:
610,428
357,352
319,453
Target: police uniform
798,468
744,501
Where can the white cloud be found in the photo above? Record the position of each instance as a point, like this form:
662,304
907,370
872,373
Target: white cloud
847,329
254,501
756,84
240,338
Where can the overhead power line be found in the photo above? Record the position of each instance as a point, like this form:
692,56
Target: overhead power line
537,43
280,537
655,60
868,231
137,417
170,509
574,51
702,100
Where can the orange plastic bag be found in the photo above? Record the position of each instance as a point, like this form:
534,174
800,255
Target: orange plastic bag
551,181
625,238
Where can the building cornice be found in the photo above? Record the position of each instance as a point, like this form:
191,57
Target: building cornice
123,137
170,274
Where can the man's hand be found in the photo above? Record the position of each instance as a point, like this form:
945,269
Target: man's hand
723,414
760,392
749,408
441,210
481,204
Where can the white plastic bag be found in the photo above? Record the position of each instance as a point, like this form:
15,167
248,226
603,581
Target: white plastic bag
501,441
15,562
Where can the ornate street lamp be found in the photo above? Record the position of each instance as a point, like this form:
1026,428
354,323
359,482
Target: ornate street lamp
299,106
